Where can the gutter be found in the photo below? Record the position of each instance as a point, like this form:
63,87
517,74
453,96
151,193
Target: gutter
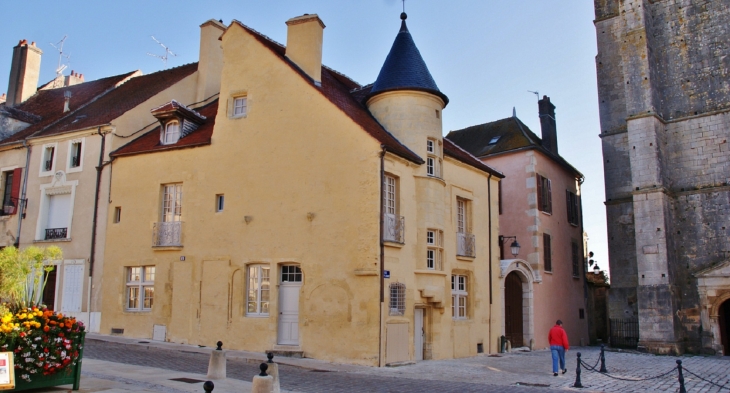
489,209
382,257
99,170
22,201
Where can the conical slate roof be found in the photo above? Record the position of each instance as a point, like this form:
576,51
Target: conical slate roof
404,68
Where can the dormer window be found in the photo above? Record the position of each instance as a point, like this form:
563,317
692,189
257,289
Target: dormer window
172,132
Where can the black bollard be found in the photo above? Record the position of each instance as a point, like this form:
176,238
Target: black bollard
577,383
270,356
220,346
208,386
603,360
263,367
681,377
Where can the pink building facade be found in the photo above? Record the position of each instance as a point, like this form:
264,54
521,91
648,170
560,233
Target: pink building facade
540,210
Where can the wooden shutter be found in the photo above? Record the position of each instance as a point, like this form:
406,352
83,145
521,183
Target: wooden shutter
15,189
549,198
577,212
547,251
539,192
499,196
569,204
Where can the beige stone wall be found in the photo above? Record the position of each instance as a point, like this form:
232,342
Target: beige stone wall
11,157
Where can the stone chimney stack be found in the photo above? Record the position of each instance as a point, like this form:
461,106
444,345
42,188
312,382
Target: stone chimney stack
73,79
210,59
547,124
304,44
3,98
24,72
66,101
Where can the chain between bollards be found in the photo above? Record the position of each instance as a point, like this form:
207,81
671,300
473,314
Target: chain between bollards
603,360
577,383
680,378
208,386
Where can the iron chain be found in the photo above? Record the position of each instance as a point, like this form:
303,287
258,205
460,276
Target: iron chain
710,382
587,367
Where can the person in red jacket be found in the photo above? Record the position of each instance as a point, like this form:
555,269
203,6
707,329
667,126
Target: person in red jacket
558,346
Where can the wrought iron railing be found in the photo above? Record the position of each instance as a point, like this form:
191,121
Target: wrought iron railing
56,233
167,233
624,332
394,228
75,161
48,165
465,244
9,207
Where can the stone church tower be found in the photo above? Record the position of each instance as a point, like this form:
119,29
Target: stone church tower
664,95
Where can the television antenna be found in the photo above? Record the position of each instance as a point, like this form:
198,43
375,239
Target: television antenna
61,55
537,94
168,52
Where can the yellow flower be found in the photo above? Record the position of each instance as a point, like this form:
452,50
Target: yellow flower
7,318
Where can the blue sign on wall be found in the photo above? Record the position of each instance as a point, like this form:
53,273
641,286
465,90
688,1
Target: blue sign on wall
386,273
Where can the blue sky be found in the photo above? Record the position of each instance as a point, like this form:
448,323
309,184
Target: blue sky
484,55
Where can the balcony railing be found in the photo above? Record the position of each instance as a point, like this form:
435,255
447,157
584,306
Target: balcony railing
465,244
394,228
47,165
56,233
167,233
75,162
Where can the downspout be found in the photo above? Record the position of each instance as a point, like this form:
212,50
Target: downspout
92,258
382,258
22,201
489,209
583,253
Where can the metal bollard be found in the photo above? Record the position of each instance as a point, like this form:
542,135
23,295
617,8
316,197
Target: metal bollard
220,346
603,360
681,377
208,386
270,356
577,383
263,367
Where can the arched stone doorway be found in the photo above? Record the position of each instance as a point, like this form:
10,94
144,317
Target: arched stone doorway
724,319
513,310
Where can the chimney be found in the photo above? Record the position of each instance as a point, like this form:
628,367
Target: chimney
304,44
24,72
547,124
3,98
66,101
73,79
210,59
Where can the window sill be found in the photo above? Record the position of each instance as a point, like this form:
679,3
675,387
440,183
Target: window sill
466,258
548,271
138,312
167,248
431,272
46,174
74,170
389,243
439,179
68,239
256,316
546,213
461,321
238,117
572,224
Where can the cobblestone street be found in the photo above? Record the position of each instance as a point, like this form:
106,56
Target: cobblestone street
515,372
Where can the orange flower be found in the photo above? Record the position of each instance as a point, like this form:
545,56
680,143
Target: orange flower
60,325
46,328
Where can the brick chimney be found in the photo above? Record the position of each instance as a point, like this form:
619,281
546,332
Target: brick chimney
210,59
24,72
3,98
547,124
73,79
304,44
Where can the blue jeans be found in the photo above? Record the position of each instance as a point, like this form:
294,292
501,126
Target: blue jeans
558,354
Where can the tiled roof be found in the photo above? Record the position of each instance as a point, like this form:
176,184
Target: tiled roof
48,104
150,141
174,106
404,68
336,88
454,151
122,99
511,134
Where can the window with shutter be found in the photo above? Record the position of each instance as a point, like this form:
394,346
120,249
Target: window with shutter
547,252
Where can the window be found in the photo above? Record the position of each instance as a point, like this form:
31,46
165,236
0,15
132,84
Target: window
393,224
430,146
575,251
240,106
397,299
75,156
573,202
465,240
581,313
430,166
11,191
390,195
494,140
172,203
544,195
459,297
219,202
547,252
433,160
48,156
435,249
172,133
258,291
291,273
117,214
140,288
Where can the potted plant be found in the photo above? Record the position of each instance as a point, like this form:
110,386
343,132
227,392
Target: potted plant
47,346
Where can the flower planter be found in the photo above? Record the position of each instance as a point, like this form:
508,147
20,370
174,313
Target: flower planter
71,375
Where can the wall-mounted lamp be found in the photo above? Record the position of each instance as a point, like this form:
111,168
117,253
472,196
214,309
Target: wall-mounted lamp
514,247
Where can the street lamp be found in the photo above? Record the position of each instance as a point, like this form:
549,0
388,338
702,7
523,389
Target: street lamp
514,247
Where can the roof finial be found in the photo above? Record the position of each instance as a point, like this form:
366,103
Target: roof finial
514,112
403,15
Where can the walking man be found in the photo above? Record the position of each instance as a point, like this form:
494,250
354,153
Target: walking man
558,346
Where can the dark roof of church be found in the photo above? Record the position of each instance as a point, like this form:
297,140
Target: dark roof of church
503,136
404,68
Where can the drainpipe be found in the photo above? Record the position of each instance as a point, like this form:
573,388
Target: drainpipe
489,209
582,251
22,201
92,255
382,258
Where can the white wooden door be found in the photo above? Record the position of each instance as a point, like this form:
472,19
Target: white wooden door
73,288
289,286
418,335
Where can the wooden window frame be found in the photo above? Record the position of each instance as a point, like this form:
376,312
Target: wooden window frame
459,297
544,194
258,284
397,299
434,249
143,281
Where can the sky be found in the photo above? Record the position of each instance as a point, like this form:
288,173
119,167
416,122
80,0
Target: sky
485,55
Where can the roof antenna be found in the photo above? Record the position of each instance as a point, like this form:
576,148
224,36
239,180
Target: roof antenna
535,93
61,55
167,52
404,5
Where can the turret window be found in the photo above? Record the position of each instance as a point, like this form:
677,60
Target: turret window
433,160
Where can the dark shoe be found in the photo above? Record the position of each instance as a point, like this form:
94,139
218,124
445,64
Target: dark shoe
565,370
555,374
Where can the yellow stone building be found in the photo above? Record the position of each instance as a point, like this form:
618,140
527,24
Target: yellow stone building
304,213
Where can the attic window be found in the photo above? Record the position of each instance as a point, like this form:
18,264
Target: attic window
494,140
239,106
172,133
